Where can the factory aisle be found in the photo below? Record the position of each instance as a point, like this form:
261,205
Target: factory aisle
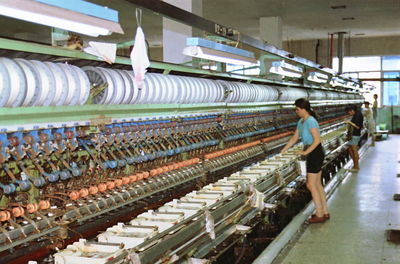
361,209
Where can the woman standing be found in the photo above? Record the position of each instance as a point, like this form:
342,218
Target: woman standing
369,117
308,131
356,124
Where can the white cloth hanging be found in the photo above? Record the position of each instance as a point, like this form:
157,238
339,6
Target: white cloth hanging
104,51
139,58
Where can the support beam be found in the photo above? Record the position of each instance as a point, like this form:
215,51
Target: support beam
201,23
380,80
340,50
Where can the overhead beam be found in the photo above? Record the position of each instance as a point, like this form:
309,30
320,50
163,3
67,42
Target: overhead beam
380,79
190,19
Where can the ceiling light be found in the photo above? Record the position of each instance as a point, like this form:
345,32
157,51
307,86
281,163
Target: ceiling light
336,81
317,77
215,55
338,7
353,85
348,18
209,50
55,16
285,69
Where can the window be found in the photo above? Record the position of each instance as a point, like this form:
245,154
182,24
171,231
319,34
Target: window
369,97
391,90
357,64
375,67
365,75
391,63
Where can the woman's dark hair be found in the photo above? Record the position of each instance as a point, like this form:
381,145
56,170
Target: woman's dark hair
351,107
305,104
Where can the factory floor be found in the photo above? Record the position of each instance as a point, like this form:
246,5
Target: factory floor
361,209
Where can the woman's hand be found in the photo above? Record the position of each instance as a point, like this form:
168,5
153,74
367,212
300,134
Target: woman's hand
301,153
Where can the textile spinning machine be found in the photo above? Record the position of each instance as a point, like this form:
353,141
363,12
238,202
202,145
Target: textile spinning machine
94,169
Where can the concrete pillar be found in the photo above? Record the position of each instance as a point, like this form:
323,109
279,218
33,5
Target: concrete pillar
340,50
175,33
271,31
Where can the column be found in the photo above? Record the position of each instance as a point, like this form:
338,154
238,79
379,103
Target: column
175,33
271,31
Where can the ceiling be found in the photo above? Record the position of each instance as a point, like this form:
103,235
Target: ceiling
305,19
309,19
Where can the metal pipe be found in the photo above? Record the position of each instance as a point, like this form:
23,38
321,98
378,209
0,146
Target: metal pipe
317,50
340,50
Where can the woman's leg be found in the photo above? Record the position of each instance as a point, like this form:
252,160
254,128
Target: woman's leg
372,139
350,149
355,156
322,194
312,185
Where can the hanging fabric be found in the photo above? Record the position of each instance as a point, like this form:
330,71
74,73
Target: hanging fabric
139,58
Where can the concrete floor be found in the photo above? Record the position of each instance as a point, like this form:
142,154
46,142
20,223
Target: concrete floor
361,209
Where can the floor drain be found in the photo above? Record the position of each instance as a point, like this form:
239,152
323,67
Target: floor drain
393,235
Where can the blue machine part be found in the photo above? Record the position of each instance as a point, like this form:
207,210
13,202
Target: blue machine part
84,7
34,134
130,160
51,177
60,131
38,182
126,124
8,188
24,185
121,163
64,175
4,144
75,170
20,136
112,164
48,133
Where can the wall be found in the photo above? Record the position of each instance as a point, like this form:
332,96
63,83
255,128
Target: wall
156,53
385,116
354,47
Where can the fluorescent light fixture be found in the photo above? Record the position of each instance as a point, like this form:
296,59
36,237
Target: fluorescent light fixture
53,16
348,85
283,72
54,22
317,77
368,87
216,55
356,85
209,50
285,69
336,81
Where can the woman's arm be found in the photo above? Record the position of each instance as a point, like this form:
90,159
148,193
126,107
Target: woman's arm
291,141
316,142
352,124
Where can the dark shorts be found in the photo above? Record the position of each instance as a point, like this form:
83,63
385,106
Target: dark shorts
354,141
315,160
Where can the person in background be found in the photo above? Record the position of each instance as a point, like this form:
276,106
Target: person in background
356,123
375,107
308,131
368,115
